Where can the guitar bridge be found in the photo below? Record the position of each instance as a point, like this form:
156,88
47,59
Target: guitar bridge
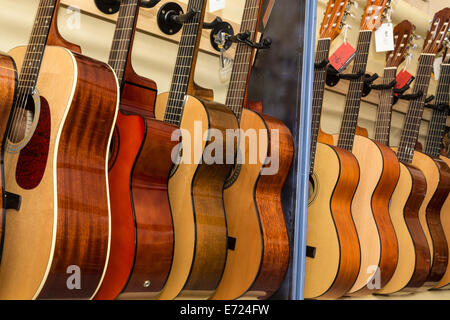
11,200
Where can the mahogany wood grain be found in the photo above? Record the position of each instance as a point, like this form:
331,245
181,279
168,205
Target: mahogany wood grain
445,219
65,220
435,225
8,84
330,228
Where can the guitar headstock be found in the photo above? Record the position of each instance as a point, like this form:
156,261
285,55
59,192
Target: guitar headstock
373,14
334,16
403,36
446,54
437,33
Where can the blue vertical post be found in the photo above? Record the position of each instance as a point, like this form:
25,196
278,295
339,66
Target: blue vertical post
299,254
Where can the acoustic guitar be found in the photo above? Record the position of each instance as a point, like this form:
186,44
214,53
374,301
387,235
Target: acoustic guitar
415,189
196,183
433,148
379,170
333,252
142,229
55,162
258,256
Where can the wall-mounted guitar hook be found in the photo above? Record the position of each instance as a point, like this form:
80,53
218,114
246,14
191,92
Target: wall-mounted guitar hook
334,76
171,17
108,6
149,3
219,31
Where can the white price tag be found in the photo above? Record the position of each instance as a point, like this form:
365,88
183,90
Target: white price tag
384,38
437,67
215,5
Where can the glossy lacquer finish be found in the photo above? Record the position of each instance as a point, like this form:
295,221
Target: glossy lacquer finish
62,227
195,195
83,235
8,83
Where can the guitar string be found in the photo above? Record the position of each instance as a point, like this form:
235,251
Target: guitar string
242,61
415,110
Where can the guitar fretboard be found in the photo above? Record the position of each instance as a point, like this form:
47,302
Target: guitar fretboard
123,35
36,47
411,128
323,48
438,118
187,52
353,100
384,115
242,60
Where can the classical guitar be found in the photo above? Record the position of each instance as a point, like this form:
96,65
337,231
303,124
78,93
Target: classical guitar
196,183
418,177
141,221
379,170
259,256
433,147
333,252
57,237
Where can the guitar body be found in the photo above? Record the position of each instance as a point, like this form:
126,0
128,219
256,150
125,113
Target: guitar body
257,264
62,229
437,176
142,233
379,171
413,255
195,196
333,267
8,84
445,219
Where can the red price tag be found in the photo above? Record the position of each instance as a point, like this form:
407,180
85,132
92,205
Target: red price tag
342,57
403,78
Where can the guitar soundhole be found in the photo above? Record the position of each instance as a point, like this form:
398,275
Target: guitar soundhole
33,157
312,190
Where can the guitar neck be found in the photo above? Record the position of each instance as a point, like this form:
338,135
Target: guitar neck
123,36
353,100
243,58
36,47
438,119
410,131
323,48
384,115
185,62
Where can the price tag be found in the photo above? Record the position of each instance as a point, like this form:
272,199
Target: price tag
437,67
215,5
403,78
384,38
342,57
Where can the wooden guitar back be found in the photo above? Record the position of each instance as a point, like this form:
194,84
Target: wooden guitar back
62,226
405,203
445,219
333,267
195,195
244,260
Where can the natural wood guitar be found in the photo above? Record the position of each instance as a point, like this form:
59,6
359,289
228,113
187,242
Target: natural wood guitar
379,171
57,165
439,207
415,260
333,252
195,187
259,255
